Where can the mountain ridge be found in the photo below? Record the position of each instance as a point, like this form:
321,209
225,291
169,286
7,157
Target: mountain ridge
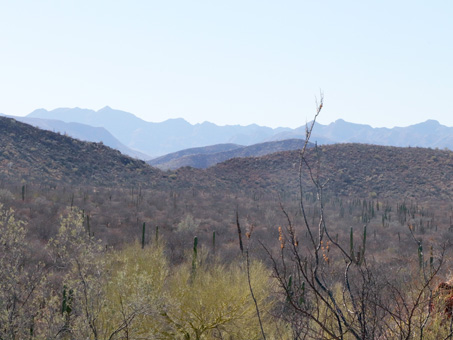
157,139
208,156
173,135
32,155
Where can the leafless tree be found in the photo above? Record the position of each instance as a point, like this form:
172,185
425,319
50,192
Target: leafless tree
335,291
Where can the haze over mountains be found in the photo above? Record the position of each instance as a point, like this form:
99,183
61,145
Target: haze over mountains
148,140
157,139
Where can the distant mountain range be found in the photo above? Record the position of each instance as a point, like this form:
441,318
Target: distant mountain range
157,139
146,140
427,134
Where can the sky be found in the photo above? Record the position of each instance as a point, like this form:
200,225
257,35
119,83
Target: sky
382,63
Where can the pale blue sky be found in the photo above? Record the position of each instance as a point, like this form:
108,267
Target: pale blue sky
383,63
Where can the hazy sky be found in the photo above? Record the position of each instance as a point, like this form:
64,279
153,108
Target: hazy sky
383,63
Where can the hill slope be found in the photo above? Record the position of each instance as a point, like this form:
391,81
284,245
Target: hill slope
206,157
33,154
354,170
349,170
83,132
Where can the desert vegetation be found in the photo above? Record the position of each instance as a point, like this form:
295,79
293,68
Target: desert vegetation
332,242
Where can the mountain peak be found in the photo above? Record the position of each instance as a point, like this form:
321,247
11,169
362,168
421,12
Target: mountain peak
432,122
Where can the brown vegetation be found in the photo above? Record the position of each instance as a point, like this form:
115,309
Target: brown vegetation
402,195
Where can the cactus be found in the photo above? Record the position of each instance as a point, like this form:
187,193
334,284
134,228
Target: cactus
64,301
420,254
88,225
157,235
360,256
289,290
213,242
351,245
241,247
66,305
23,192
302,295
143,235
195,254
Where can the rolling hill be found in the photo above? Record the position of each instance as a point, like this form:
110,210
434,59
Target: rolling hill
355,170
32,154
349,170
82,132
208,156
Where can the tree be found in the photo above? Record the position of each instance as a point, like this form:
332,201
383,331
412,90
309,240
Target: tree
20,280
333,290
214,302
79,274
135,291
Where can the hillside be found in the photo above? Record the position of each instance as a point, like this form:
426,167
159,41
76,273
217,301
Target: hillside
39,156
166,161
33,154
208,156
83,132
349,170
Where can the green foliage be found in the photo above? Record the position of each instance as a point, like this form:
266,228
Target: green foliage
68,297
214,304
146,299
134,293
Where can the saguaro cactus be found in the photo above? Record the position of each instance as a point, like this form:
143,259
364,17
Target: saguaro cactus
420,255
143,235
360,256
66,305
241,247
289,289
194,255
